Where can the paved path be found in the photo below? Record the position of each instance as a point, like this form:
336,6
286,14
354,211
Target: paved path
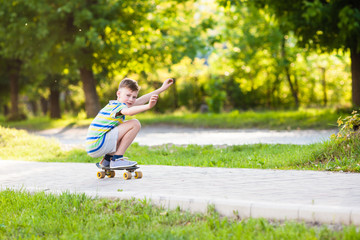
311,196
159,135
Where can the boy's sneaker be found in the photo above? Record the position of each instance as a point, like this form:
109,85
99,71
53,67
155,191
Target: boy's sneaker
104,163
121,162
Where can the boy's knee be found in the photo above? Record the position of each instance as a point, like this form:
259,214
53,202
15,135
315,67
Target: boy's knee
136,123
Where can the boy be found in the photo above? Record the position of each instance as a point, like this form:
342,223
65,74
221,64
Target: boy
109,135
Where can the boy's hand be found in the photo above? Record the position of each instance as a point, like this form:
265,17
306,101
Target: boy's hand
167,83
153,100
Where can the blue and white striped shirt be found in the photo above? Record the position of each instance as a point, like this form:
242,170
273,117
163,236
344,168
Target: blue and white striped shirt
104,121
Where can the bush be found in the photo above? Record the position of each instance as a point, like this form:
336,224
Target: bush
348,127
343,151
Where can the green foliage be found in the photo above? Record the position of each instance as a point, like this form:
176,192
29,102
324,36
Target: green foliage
252,40
225,53
324,25
342,153
56,39
344,24
256,59
216,95
339,156
348,127
76,216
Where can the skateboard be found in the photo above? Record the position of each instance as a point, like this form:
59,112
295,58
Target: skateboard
110,172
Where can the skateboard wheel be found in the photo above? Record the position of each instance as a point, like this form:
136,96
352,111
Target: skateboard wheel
100,175
127,175
111,174
138,174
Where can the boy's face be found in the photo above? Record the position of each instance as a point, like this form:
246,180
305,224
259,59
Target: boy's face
127,96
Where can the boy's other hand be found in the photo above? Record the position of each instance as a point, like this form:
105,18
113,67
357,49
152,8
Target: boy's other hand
167,83
153,100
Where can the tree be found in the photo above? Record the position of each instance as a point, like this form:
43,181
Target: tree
4,87
260,56
87,30
45,40
105,36
17,32
325,25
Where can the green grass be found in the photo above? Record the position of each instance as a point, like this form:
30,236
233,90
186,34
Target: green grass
300,119
73,216
341,154
20,145
42,123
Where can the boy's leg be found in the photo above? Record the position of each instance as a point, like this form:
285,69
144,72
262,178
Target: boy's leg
105,161
127,132
126,135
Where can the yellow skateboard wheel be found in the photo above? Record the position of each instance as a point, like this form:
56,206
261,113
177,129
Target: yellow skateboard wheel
127,175
112,174
100,175
138,174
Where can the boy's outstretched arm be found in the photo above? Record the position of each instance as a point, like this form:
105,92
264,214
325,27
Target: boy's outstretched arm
140,108
145,98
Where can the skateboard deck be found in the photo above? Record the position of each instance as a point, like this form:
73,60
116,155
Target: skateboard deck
110,172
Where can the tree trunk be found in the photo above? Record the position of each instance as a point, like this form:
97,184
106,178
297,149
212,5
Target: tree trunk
323,70
294,91
55,111
68,102
355,71
292,88
275,99
14,92
92,104
14,73
44,105
34,107
6,110
176,101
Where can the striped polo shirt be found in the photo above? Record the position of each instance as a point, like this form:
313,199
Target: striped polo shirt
104,121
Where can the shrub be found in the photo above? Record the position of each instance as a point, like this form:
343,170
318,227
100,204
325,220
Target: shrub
348,127
343,151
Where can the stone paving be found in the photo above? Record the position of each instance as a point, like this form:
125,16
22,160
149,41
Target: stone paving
325,197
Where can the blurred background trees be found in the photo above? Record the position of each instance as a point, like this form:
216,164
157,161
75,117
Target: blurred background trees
68,57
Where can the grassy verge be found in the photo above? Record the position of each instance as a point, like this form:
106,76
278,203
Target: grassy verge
41,123
300,119
20,145
279,120
71,216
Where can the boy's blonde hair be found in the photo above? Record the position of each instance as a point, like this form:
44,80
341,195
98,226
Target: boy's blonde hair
130,84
